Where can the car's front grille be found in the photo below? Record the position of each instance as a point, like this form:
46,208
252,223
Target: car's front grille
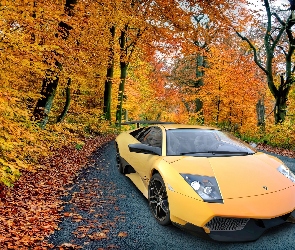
226,224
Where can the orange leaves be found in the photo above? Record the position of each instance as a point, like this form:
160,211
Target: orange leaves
29,211
65,246
122,234
231,87
97,236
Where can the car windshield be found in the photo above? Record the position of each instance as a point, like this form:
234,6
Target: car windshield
205,142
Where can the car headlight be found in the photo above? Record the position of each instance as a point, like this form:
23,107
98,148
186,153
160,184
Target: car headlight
286,172
205,186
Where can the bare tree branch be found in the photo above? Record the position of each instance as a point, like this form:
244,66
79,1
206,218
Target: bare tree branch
289,25
275,42
268,29
254,50
279,19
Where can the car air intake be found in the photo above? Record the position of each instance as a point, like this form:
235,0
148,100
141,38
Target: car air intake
226,224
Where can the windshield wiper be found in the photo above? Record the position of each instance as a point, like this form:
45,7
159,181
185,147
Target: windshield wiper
218,152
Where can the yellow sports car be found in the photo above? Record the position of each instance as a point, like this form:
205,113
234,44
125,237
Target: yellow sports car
207,181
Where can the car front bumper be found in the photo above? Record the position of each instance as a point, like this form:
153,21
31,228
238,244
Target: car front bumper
241,219
236,229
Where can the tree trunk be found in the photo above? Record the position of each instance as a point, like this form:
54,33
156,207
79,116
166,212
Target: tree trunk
67,104
281,97
281,107
218,110
108,83
260,110
201,63
50,81
218,103
44,103
123,66
199,109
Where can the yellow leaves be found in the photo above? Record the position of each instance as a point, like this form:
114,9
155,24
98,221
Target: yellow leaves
8,173
281,135
5,145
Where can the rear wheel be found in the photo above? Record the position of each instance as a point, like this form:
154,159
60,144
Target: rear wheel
158,200
118,160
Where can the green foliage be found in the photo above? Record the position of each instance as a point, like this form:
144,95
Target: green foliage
79,146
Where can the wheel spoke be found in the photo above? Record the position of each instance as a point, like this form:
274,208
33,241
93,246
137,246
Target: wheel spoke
153,201
164,207
158,211
156,189
162,191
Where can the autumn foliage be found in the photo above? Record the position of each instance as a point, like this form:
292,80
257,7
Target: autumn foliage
59,57
56,55
72,71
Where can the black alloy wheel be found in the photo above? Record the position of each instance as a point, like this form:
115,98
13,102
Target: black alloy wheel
158,200
118,160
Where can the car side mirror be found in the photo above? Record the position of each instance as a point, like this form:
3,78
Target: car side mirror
144,149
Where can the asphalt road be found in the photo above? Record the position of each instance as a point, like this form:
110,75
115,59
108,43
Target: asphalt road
104,210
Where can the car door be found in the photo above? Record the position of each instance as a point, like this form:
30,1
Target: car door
142,163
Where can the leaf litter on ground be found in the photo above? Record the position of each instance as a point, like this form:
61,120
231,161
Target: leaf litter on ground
31,210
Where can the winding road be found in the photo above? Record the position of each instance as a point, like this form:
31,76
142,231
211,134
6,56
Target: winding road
104,210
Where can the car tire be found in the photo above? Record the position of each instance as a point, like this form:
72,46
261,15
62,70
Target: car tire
118,161
158,200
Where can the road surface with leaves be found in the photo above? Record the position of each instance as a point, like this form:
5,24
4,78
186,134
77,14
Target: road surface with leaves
104,210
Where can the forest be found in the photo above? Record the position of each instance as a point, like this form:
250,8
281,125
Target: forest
74,69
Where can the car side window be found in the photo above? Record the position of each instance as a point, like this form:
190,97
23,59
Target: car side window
143,134
137,133
153,137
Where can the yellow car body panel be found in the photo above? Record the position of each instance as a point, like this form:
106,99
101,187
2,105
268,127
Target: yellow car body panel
247,177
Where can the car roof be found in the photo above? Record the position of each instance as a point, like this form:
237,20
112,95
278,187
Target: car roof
185,126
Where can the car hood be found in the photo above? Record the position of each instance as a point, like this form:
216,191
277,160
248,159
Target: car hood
237,176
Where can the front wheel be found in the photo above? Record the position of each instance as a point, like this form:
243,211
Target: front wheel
158,200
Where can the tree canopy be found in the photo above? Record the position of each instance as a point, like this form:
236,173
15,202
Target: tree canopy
73,69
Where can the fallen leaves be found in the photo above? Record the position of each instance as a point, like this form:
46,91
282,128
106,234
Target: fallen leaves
76,218
65,246
30,211
97,236
122,234
279,151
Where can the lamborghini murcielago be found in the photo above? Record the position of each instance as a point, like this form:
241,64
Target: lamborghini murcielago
206,181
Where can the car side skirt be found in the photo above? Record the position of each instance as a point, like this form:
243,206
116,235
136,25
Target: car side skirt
134,177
